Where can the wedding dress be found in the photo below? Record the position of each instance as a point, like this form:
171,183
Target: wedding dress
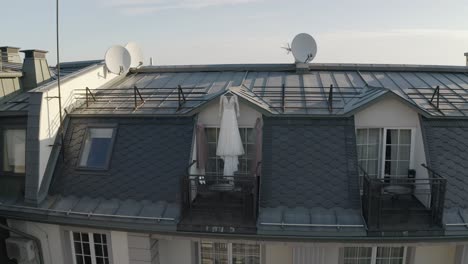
229,140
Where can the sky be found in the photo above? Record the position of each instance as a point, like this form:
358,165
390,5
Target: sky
243,31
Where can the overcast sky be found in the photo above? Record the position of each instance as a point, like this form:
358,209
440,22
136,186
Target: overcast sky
244,31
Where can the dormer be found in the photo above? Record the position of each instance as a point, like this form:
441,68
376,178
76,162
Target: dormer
224,187
399,191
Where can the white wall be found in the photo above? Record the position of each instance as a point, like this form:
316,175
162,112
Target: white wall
278,254
209,116
139,248
175,251
49,115
120,248
435,255
49,235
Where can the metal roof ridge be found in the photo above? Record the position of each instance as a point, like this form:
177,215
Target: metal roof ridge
292,67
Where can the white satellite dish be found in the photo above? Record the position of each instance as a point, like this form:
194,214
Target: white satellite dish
304,48
117,59
135,53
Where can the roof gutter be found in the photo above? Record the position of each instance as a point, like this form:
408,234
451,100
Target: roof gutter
313,225
89,214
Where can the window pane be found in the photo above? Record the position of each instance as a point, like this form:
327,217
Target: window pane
361,136
211,135
405,136
97,238
390,255
357,255
374,136
404,153
216,165
392,136
245,254
96,147
391,152
14,150
212,253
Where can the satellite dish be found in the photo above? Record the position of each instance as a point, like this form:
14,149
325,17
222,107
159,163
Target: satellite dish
135,53
304,48
117,59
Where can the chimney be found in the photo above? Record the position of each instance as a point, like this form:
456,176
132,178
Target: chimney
10,54
466,56
35,69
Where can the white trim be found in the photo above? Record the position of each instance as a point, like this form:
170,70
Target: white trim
92,252
374,252
72,243
229,250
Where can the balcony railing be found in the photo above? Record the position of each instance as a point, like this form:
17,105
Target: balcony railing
404,204
217,202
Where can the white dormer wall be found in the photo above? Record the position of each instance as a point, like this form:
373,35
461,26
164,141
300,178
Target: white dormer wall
44,114
392,113
210,117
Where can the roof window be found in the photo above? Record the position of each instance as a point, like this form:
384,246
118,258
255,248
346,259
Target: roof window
97,148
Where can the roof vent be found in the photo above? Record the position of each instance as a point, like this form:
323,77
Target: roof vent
35,68
466,56
10,54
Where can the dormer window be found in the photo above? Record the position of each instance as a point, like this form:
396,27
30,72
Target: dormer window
14,150
385,152
97,148
215,163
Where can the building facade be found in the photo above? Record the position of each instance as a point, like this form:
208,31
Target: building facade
343,164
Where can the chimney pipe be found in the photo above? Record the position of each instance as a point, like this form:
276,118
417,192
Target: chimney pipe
10,54
466,56
35,68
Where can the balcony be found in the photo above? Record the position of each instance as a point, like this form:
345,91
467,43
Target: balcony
404,206
219,204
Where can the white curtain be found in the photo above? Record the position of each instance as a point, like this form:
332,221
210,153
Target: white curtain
15,150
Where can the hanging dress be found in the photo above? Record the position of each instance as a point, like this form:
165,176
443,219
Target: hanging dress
229,141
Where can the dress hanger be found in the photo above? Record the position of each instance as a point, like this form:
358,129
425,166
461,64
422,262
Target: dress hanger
228,94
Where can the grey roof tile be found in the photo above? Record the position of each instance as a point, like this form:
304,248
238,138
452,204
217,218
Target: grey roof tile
447,145
309,163
148,159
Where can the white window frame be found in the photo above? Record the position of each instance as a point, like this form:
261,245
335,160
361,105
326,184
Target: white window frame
91,244
83,149
229,250
374,252
243,145
383,145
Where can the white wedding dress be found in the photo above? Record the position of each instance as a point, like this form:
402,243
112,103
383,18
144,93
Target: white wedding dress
229,140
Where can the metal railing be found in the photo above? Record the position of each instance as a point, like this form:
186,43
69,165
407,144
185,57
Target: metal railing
244,185
403,196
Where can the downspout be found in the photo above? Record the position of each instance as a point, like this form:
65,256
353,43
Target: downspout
33,238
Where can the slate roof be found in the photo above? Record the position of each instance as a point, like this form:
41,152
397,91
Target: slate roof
447,147
143,179
309,174
143,165
304,93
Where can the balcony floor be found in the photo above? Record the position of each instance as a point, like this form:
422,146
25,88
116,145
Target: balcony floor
219,212
405,214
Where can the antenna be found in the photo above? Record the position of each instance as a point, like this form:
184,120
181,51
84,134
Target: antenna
117,59
135,53
304,48
287,47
